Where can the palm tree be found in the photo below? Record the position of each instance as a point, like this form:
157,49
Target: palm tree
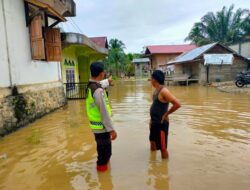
116,55
224,26
116,44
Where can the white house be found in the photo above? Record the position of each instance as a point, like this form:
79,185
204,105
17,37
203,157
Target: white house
30,55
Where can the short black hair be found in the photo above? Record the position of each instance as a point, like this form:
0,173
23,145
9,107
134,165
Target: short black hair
96,68
159,76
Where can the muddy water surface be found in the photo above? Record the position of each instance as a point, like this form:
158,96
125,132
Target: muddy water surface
209,145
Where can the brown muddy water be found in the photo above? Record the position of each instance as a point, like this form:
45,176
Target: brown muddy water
209,145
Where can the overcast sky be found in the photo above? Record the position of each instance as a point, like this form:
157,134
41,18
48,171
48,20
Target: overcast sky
140,23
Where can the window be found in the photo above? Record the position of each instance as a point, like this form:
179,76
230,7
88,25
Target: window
53,44
45,42
36,38
70,79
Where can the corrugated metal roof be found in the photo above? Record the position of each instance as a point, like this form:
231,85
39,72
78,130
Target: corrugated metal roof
141,60
192,54
169,49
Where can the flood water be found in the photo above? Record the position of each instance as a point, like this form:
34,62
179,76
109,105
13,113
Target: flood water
209,145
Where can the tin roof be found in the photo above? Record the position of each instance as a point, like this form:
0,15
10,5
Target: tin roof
190,55
169,49
195,53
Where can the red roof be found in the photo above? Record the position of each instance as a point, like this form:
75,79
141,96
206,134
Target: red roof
169,49
100,41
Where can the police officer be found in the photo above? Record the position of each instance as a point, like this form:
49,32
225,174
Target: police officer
99,113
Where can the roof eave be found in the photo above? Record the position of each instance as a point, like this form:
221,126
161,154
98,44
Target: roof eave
48,8
70,38
182,62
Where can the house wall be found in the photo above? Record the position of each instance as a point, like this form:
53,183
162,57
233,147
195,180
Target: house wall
4,76
192,69
38,82
196,69
178,69
68,54
139,70
227,72
84,68
23,69
242,48
33,102
223,72
160,59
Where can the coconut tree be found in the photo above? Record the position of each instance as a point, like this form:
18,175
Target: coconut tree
225,26
116,58
116,44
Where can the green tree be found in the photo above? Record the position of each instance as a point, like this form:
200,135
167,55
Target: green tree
116,57
224,26
130,68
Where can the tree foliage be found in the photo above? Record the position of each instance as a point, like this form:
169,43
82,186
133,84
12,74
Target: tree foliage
225,26
118,61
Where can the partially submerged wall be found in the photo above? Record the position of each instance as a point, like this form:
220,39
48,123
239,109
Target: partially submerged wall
32,102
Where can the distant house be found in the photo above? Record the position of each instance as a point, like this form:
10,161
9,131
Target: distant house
100,41
209,63
78,53
30,55
159,55
142,67
242,48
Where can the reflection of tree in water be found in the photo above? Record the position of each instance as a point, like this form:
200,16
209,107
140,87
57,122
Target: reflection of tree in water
158,173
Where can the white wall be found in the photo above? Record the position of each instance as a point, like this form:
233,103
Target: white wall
24,70
4,71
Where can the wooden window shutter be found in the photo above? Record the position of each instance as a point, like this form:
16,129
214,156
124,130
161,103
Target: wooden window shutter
36,38
53,44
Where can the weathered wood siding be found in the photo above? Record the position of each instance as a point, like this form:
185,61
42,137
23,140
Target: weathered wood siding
160,59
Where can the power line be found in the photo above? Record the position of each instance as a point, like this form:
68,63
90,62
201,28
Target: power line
73,22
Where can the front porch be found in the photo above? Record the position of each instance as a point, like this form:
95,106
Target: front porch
184,73
78,53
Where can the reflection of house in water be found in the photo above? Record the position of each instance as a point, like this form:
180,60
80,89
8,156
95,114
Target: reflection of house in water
142,67
161,54
209,63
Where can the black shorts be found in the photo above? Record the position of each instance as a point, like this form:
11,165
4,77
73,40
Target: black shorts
159,135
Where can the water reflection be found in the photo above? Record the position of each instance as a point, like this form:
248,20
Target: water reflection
158,177
105,180
84,176
208,144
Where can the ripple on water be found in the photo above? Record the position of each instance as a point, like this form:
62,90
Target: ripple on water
208,144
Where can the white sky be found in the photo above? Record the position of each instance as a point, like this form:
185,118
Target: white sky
140,23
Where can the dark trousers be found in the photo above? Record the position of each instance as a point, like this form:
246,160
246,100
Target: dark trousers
104,148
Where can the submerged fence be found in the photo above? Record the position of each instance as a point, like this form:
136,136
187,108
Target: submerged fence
75,90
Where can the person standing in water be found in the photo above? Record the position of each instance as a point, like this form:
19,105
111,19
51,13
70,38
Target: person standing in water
159,113
99,113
